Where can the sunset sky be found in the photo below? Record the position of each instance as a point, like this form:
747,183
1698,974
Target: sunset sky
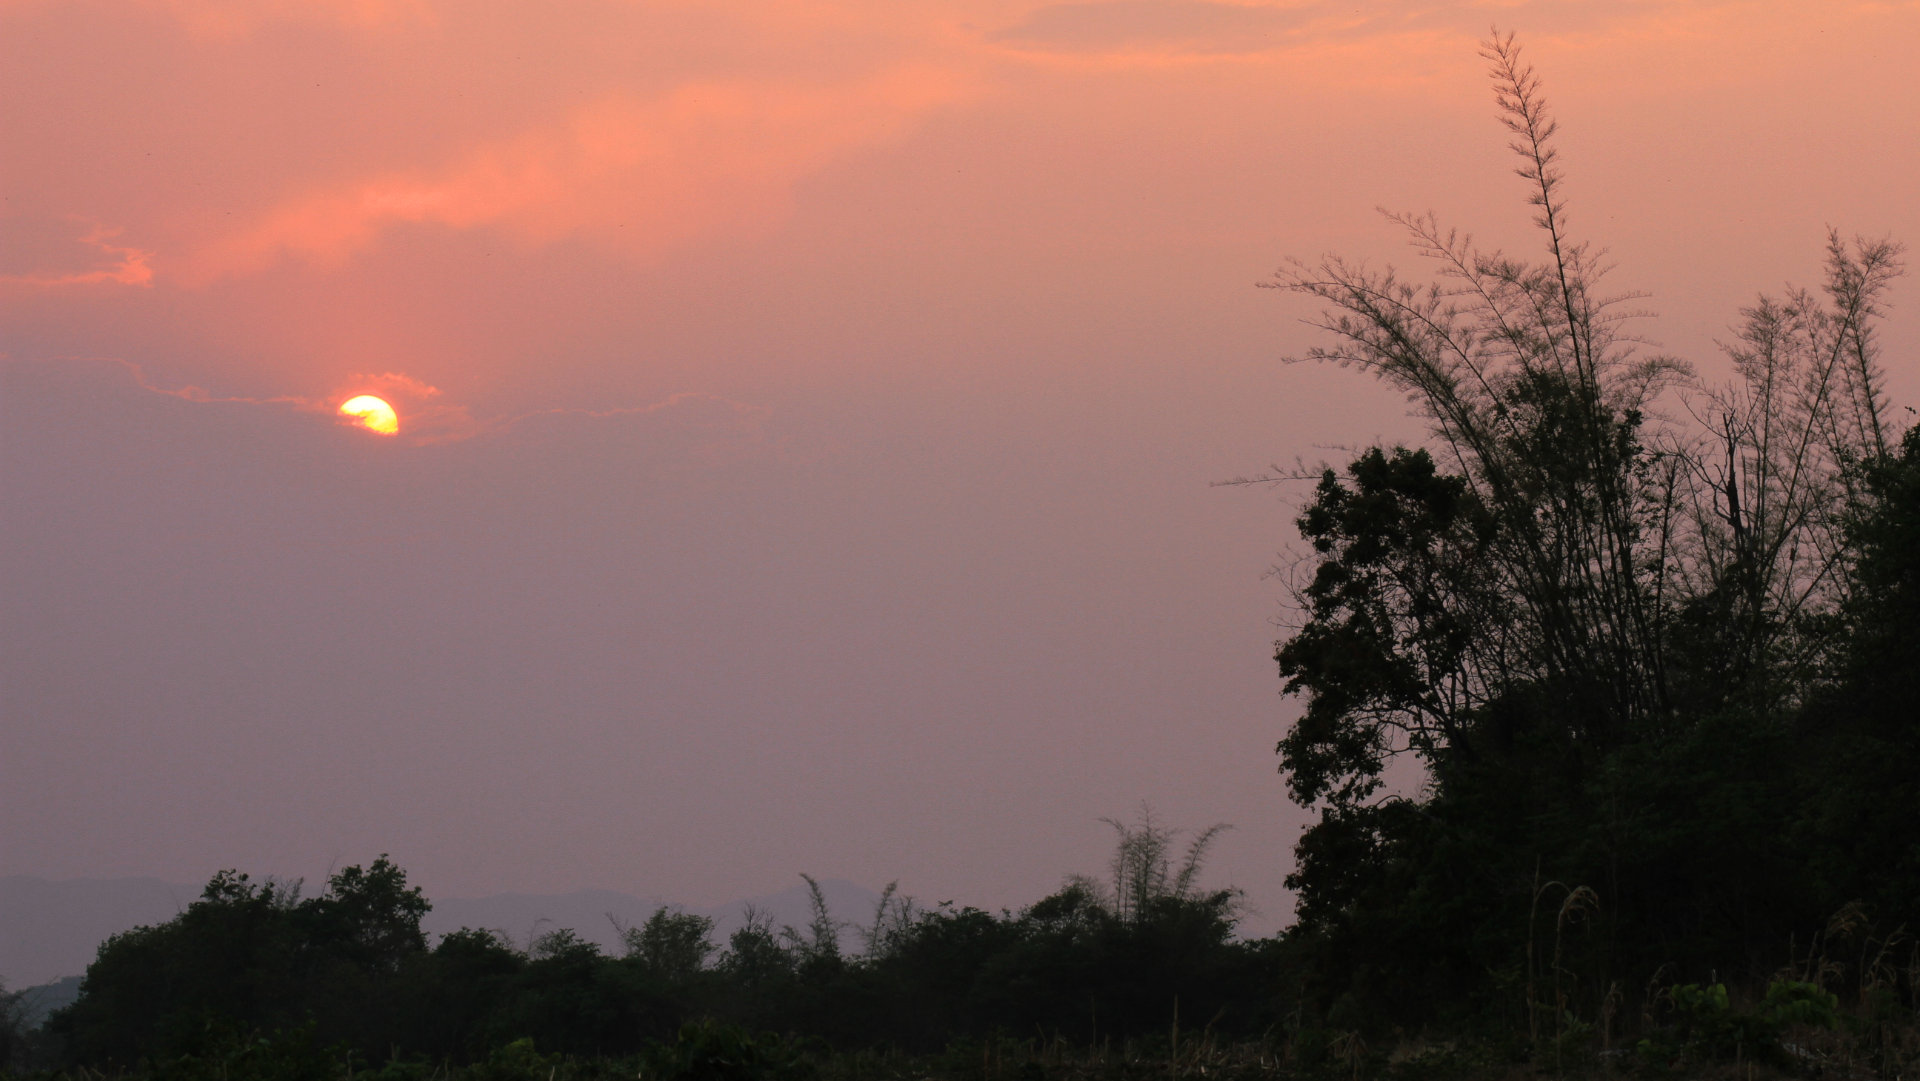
809,412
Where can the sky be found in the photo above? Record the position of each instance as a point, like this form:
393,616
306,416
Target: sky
810,414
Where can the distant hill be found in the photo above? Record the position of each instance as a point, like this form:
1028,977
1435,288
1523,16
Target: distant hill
36,1003
52,929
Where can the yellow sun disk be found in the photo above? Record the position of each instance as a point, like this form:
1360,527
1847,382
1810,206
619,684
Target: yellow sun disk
371,413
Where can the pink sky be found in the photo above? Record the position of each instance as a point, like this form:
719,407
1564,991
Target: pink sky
808,410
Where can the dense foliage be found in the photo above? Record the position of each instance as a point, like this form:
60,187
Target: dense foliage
1654,675
350,971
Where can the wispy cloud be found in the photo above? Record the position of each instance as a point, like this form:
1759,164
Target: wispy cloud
127,265
429,418
637,175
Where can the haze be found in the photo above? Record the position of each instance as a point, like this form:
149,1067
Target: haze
809,411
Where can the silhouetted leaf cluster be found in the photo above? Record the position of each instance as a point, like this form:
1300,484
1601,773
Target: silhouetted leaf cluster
350,971
1653,680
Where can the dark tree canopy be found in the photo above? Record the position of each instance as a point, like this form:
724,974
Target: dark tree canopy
253,969
1635,631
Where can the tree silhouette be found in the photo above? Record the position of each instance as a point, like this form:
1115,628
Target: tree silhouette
1590,607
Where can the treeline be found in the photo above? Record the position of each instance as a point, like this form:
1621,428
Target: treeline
351,971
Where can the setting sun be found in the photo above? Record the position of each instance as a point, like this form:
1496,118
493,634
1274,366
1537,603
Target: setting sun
371,413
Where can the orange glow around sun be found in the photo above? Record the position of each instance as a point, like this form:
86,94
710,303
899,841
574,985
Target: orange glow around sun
371,413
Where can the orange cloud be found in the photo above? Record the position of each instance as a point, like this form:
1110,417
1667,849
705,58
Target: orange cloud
642,176
423,417
131,266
